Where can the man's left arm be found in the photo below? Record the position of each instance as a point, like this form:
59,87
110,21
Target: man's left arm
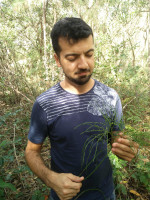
123,147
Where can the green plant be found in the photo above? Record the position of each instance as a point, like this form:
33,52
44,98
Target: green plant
142,172
4,181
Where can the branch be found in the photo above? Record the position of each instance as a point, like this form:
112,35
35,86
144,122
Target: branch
15,146
134,98
132,49
128,103
18,92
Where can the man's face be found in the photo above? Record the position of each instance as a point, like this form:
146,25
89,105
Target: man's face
76,59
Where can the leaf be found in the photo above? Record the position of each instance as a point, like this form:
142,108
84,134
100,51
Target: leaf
2,194
1,161
143,179
124,182
46,197
3,143
134,192
123,188
7,185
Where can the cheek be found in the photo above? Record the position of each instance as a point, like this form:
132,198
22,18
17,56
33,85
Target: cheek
72,66
91,64
69,67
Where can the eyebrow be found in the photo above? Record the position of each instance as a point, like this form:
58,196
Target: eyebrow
76,54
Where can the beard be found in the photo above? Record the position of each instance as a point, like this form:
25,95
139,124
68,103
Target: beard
80,80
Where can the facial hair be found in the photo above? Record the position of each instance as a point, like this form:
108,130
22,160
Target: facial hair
81,80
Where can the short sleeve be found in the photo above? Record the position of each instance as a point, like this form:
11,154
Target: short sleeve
118,123
38,126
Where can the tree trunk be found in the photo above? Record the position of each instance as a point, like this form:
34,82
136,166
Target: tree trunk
132,50
149,39
44,38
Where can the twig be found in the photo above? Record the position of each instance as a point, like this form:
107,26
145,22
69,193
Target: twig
128,103
134,98
18,92
15,146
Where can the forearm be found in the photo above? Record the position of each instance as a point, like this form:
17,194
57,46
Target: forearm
65,185
37,165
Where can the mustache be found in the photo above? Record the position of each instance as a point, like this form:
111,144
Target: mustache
82,70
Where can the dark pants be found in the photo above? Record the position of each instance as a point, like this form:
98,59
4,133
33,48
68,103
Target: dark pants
112,197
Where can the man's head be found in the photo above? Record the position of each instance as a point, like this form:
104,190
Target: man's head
70,28
73,43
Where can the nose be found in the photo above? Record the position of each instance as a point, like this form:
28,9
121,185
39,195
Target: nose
82,62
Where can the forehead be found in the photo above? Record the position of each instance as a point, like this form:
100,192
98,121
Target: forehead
82,45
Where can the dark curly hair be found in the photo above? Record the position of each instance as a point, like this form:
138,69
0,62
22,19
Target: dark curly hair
71,28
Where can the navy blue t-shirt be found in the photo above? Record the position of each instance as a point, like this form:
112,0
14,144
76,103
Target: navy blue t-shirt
78,128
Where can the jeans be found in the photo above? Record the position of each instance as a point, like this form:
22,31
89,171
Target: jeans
112,197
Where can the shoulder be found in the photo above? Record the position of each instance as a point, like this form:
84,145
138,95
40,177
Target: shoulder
104,90
50,94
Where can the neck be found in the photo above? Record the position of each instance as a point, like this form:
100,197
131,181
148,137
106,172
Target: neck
77,89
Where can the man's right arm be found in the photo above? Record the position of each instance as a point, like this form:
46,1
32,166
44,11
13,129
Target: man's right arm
65,185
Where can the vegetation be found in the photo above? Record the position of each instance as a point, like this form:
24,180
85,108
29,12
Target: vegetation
27,67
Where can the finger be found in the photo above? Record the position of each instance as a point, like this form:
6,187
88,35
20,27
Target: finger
75,186
75,181
129,138
125,145
116,135
75,178
125,152
120,153
71,185
68,194
122,146
123,149
125,158
131,144
127,142
123,135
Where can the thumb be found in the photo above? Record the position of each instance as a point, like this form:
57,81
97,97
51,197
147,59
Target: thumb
75,178
122,135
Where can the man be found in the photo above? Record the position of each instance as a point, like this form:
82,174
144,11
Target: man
77,115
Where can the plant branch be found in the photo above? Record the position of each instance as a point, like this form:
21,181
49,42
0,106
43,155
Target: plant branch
128,103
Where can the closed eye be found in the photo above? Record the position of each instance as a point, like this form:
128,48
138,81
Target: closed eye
71,57
89,55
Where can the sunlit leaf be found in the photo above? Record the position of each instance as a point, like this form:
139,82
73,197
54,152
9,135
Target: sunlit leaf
134,192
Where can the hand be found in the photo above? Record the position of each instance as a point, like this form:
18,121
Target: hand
125,148
67,185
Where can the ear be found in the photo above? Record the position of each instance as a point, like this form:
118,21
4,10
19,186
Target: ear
57,59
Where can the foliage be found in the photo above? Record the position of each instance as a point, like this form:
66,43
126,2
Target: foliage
121,33
135,174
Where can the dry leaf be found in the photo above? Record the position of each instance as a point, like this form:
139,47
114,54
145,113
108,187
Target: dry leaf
124,182
134,192
46,197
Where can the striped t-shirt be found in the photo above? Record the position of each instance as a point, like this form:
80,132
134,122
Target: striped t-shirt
78,127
